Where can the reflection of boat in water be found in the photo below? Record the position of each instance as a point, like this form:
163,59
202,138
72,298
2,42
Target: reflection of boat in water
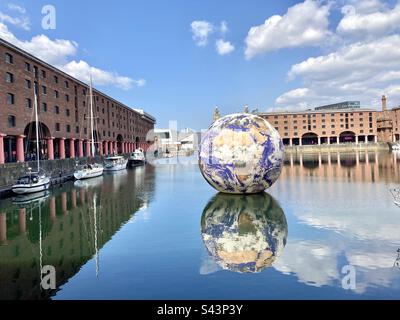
244,233
29,198
396,196
90,183
115,163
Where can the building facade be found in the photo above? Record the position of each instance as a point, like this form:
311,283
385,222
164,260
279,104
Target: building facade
64,115
316,127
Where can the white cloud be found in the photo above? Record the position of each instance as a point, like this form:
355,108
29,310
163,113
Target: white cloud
224,27
359,71
303,24
15,7
22,22
361,22
201,31
366,6
224,47
59,52
82,70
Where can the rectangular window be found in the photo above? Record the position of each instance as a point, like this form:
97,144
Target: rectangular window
28,103
27,66
10,99
44,107
9,58
56,110
68,128
36,71
55,79
44,90
66,97
27,84
67,112
11,121
77,130
57,126
66,84
56,94
43,74
9,77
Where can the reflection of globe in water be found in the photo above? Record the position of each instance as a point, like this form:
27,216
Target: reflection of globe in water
241,153
244,233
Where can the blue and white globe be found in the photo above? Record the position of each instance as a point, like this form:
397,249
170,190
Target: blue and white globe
245,233
241,153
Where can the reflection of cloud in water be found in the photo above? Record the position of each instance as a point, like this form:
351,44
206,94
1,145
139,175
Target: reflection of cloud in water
313,263
316,263
244,233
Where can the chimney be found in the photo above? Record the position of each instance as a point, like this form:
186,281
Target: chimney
383,103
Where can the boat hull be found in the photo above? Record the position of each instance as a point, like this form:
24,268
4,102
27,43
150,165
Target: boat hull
116,167
88,173
31,188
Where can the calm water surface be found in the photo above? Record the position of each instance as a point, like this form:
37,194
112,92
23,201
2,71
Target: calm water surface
161,232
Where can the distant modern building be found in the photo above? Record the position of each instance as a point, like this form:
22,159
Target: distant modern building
340,106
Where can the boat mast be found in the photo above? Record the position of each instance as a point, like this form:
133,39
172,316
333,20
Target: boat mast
95,236
37,129
91,116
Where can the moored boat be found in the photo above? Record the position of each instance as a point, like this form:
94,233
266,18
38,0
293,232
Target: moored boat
91,170
138,158
115,163
38,181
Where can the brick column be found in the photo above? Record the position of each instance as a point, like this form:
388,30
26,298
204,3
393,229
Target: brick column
50,148
110,147
115,148
61,148
20,149
2,159
122,147
80,148
72,148
100,148
87,148
105,147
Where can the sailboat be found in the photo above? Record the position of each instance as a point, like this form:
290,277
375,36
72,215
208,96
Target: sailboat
32,181
90,170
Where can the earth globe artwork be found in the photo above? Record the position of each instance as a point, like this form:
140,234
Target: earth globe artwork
240,154
244,233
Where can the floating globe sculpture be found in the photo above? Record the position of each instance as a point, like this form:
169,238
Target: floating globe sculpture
244,234
241,153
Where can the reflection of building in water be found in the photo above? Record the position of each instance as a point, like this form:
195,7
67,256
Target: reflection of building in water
244,233
71,230
352,167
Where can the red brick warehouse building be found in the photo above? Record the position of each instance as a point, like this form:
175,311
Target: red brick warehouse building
63,113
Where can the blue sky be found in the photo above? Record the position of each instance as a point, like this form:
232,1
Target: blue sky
146,56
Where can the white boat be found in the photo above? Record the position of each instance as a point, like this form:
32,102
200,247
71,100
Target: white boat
396,147
115,163
30,183
137,157
37,181
90,170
